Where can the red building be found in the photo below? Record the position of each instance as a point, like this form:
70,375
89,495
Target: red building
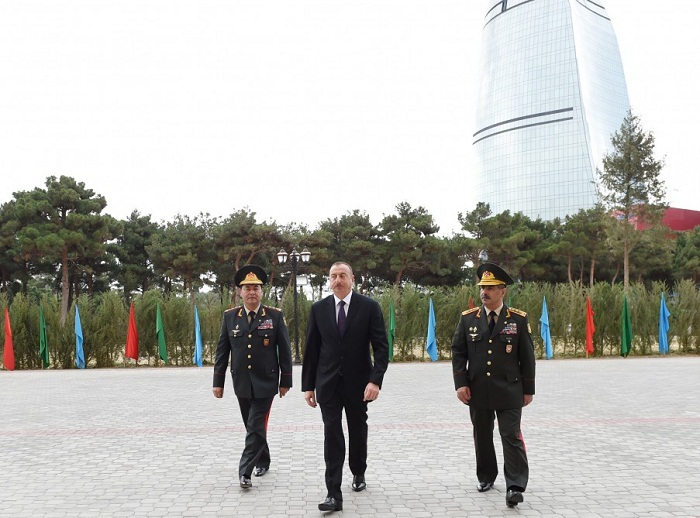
681,219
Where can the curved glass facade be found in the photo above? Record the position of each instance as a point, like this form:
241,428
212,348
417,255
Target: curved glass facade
552,92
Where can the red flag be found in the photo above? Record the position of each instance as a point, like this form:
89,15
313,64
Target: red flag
132,337
471,303
8,357
590,327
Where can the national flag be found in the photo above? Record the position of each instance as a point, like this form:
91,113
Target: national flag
132,337
197,358
626,335
664,314
431,342
392,329
43,339
160,333
544,330
79,354
8,354
471,303
590,326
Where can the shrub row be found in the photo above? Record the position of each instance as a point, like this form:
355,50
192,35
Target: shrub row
105,317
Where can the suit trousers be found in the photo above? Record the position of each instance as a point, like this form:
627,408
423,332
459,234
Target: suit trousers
334,440
515,466
255,412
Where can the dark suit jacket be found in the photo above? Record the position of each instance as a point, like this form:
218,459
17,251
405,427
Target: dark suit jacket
328,355
260,354
498,368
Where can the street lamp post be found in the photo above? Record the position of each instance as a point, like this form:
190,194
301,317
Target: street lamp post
282,257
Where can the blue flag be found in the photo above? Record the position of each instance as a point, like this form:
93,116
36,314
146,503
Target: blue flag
79,355
197,358
544,330
431,342
663,325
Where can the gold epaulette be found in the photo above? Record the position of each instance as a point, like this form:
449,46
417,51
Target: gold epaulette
472,310
232,309
273,309
518,312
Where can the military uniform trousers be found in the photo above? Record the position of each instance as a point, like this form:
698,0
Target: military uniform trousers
515,469
255,412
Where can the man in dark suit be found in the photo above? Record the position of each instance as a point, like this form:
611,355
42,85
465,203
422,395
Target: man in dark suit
257,341
338,373
493,359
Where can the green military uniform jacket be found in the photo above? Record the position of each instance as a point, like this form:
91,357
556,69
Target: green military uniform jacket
261,358
498,367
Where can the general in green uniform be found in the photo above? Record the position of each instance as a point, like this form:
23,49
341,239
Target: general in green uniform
256,340
493,360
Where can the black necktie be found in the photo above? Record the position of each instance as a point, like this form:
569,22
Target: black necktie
251,317
492,321
341,316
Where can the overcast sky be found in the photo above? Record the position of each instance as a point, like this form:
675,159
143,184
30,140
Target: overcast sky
298,110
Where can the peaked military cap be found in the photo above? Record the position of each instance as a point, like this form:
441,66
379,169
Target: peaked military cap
250,274
491,274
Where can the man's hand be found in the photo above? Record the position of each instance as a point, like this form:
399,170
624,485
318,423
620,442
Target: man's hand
310,398
218,392
371,392
527,399
464,394
283,391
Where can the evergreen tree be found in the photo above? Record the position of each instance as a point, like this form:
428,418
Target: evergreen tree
633,189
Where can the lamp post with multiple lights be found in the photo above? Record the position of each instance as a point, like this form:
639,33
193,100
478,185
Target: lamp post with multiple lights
294,257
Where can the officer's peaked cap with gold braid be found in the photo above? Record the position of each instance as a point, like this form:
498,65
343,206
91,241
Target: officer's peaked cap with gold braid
491,274
250,274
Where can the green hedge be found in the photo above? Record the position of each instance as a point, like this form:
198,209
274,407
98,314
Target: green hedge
104,321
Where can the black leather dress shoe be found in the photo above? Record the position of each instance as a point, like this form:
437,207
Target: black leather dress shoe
513,498
245,482
330,504
259,472
484,486
358,483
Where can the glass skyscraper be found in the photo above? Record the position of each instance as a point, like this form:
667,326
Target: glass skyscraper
552,92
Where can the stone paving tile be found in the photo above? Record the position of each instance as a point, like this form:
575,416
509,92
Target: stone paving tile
605,437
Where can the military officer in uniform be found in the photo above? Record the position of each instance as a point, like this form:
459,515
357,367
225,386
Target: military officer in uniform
493,360
256,339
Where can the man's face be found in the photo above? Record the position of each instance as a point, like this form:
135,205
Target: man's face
492,296
341,280
251,295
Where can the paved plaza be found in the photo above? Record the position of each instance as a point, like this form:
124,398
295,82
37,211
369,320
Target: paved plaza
605,437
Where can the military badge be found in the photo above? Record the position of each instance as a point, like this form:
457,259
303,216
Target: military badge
266,342
511,328
509,348
266,324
